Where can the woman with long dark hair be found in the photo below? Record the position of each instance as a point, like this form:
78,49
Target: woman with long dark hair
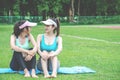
49,46
23,56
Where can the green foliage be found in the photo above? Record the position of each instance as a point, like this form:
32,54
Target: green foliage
81,20
100,20
59,7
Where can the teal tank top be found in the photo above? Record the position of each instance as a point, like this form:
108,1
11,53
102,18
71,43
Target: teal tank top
25,45
48,48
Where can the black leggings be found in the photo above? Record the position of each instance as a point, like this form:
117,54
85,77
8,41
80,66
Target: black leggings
19,63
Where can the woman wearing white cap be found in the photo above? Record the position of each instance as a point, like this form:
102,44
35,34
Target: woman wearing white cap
49,46
23,56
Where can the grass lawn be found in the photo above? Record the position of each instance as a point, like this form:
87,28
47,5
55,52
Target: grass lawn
84,45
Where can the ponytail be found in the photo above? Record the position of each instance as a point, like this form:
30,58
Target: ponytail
57,29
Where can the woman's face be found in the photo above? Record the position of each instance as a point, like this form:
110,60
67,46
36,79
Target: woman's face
49,28
27,31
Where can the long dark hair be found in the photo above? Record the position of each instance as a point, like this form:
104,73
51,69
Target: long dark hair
57,29
16,30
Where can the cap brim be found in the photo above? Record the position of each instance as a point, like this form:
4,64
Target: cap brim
27,23
46,23
49,22
31,24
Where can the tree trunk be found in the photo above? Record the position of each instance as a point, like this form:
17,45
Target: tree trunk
78,10
71,11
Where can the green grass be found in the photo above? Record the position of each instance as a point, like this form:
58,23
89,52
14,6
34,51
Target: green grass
103,57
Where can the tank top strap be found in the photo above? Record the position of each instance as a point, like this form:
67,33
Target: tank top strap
27,39
56,38
43,37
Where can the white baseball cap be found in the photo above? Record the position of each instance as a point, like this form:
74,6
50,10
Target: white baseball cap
49,22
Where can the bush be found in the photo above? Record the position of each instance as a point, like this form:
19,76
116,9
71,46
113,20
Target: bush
77,19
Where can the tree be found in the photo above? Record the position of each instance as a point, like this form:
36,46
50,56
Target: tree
32,7
65,5
49,8
23,7
77,9
2,7
88,8
71,11
118,7
54,8
111,8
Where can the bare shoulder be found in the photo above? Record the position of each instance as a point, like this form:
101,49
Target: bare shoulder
30,36
12,39
13,36
39,37
59,38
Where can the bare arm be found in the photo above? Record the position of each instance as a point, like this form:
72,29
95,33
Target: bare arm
59,49
33,43
44,54
38,43
14,47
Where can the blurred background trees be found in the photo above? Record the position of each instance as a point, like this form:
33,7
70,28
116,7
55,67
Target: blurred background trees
59,8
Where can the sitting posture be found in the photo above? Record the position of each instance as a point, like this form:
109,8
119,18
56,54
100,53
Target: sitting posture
49,46
23,56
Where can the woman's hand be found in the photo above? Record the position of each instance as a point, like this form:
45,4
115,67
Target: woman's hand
30,52
52,54
45,55
28,58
